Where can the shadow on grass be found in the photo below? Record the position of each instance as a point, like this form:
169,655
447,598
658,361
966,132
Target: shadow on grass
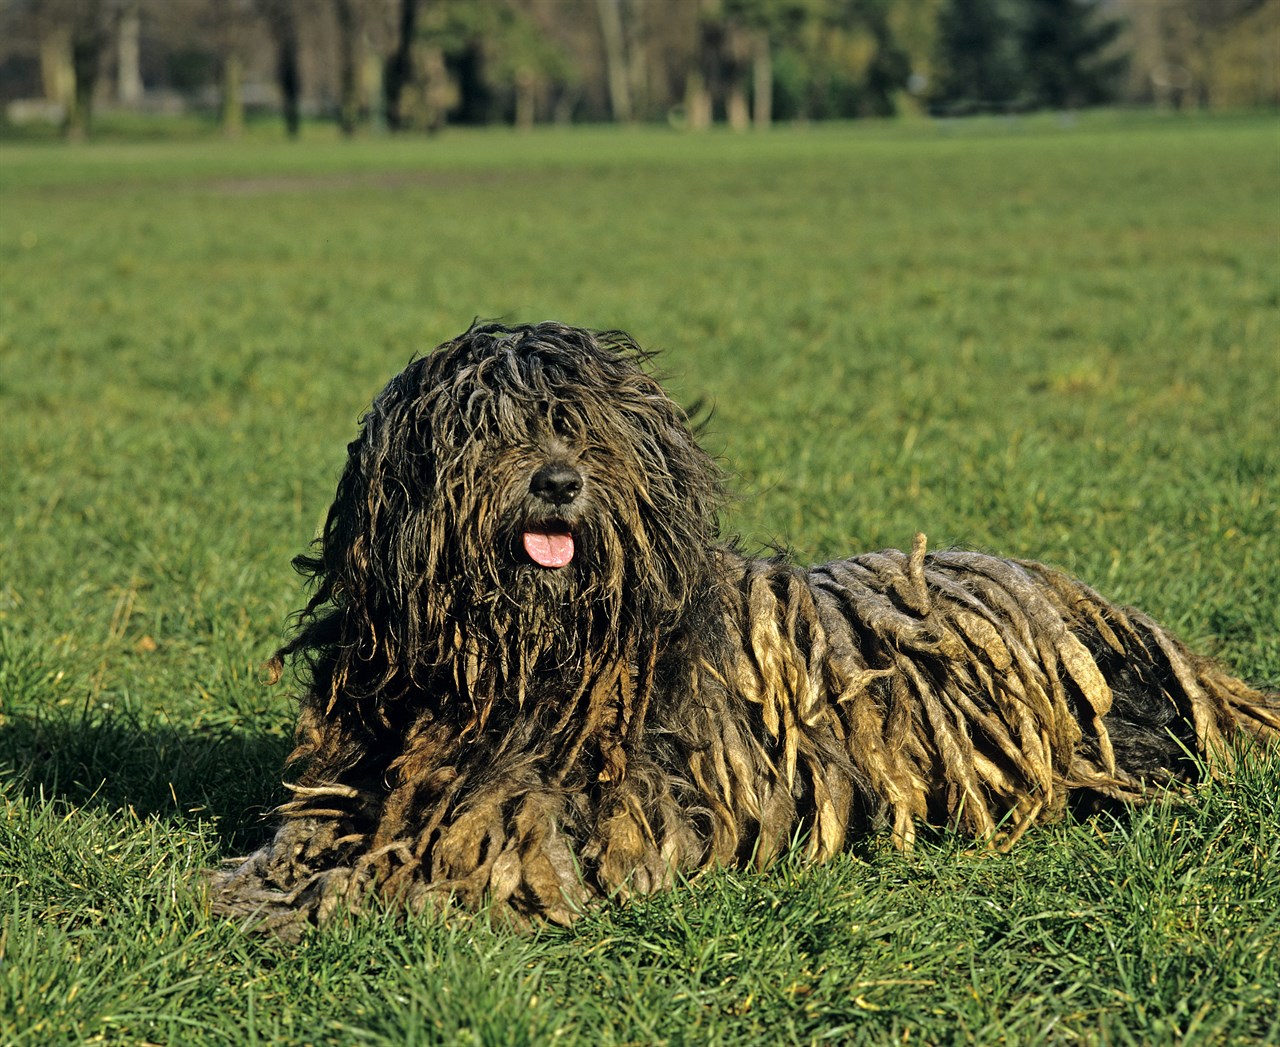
223,776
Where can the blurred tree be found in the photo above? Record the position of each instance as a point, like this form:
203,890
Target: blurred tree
282,19
841,59
913,27
129,86
616,63
229,26
398,69
1203,52
1069,55
748,62
980,62
758,29
57,78
350,30
89,34
731,64
1241,66
501,64
703,79
889,68
73,36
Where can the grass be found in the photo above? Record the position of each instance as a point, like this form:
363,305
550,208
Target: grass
1033,338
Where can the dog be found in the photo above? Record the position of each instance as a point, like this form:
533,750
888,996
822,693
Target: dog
535,674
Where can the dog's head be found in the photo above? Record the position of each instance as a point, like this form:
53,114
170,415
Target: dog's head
516,499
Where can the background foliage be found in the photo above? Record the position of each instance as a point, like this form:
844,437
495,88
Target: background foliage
421,64
1036,338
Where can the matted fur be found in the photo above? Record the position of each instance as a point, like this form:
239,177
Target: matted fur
479,727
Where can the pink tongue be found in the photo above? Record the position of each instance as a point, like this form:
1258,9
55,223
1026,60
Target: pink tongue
548,550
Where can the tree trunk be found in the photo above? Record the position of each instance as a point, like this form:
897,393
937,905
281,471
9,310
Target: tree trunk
735,106
399,69
56,73
348,65
370,71
526,85
697,101
284,28
762,81
439,93
703,85
87,40
232,95
129,87
615,59
639,74
736,61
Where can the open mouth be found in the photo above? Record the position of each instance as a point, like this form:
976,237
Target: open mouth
548,544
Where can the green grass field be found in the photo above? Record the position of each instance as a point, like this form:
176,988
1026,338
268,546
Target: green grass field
1037,339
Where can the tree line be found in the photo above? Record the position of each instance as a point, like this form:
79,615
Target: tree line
421,64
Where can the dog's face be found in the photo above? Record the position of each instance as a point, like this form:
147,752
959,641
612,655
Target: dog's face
539,469
531,489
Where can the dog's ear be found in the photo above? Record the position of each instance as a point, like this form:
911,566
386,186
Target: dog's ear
365,612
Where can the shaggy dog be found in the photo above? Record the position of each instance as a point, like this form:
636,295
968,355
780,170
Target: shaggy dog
536,674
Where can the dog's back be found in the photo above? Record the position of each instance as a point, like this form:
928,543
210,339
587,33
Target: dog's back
976,691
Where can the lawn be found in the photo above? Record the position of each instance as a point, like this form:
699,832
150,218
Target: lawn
1036,337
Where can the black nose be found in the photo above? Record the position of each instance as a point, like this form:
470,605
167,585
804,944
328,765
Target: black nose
557,483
